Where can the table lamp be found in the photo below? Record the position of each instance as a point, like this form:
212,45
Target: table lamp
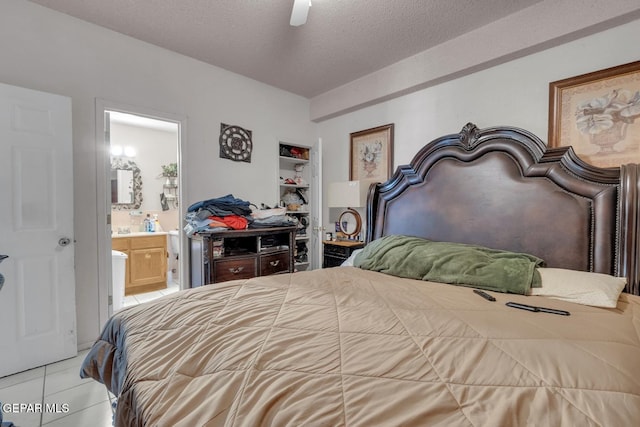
348,194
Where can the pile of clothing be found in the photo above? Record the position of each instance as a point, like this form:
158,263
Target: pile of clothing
229,212
268,217
221,213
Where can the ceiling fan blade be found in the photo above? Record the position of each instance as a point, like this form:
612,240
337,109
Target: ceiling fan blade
299,12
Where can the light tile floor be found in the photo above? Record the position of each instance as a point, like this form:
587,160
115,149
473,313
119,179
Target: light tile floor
80,402
140,298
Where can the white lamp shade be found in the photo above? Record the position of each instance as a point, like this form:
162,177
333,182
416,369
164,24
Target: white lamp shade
348,194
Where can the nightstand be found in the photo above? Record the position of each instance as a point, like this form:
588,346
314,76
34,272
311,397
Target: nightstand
337,251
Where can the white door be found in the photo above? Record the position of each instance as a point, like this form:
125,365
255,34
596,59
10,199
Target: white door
107,143
316,212
37,301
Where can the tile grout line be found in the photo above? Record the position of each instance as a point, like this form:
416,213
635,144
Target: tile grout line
44,384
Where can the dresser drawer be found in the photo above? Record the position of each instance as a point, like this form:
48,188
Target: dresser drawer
340,251
236,268
274,263
332,261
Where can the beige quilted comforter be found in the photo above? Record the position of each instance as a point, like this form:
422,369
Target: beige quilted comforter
347,347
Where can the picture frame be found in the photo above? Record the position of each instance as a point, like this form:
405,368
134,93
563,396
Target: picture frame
598,114
371,155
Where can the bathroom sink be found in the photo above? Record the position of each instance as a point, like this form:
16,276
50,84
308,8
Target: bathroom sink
139,233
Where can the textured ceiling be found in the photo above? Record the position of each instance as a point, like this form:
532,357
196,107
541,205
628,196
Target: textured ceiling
341,41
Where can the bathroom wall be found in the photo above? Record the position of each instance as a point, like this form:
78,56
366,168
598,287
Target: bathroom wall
153,148
133,219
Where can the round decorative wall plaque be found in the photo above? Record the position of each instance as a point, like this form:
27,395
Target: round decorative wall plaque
235,143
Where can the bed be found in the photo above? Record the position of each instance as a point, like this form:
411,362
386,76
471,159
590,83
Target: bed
349,346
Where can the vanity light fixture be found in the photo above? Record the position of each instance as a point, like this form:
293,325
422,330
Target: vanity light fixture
127,151
116,150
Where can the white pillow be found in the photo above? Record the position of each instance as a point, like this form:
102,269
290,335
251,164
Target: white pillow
349,261
580,287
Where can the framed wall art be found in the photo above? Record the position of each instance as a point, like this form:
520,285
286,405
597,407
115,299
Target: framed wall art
371,156
598,115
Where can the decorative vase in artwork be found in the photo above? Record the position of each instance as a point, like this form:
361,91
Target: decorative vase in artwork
608,138
605,118
371,157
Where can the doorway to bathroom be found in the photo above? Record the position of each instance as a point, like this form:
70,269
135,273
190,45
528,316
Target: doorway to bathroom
141,244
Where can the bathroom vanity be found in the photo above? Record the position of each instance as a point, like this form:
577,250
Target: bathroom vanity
146,265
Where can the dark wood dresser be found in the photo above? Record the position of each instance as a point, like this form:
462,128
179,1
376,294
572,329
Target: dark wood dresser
220,256
337,251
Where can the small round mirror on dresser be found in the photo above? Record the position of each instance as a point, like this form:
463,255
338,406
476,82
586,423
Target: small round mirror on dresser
350,223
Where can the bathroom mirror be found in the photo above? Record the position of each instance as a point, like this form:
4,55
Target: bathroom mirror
121,186
126,184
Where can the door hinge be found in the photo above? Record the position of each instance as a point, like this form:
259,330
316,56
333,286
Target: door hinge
110,299
109,219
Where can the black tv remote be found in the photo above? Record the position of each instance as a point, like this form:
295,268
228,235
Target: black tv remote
537,309
484,295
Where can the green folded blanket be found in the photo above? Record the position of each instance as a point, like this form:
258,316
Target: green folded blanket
452,263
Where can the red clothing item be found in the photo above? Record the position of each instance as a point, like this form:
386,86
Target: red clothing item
216,224
232,221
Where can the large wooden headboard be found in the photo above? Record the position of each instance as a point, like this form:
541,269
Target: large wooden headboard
502,188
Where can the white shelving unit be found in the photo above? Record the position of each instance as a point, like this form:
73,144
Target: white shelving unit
294,192
171,194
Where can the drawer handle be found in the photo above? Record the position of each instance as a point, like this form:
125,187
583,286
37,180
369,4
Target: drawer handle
147,256
236,270
274,263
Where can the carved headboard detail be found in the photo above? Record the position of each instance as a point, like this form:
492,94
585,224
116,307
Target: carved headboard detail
501,187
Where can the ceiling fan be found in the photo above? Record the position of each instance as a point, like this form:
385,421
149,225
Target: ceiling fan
299,12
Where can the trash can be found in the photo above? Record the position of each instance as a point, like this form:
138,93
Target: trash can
118,271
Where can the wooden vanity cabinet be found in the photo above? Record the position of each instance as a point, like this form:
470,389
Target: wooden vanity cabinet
146,265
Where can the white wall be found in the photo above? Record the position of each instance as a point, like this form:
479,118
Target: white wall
514,94
49,51
544,24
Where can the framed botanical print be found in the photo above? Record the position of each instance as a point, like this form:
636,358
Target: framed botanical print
371,156
597,114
